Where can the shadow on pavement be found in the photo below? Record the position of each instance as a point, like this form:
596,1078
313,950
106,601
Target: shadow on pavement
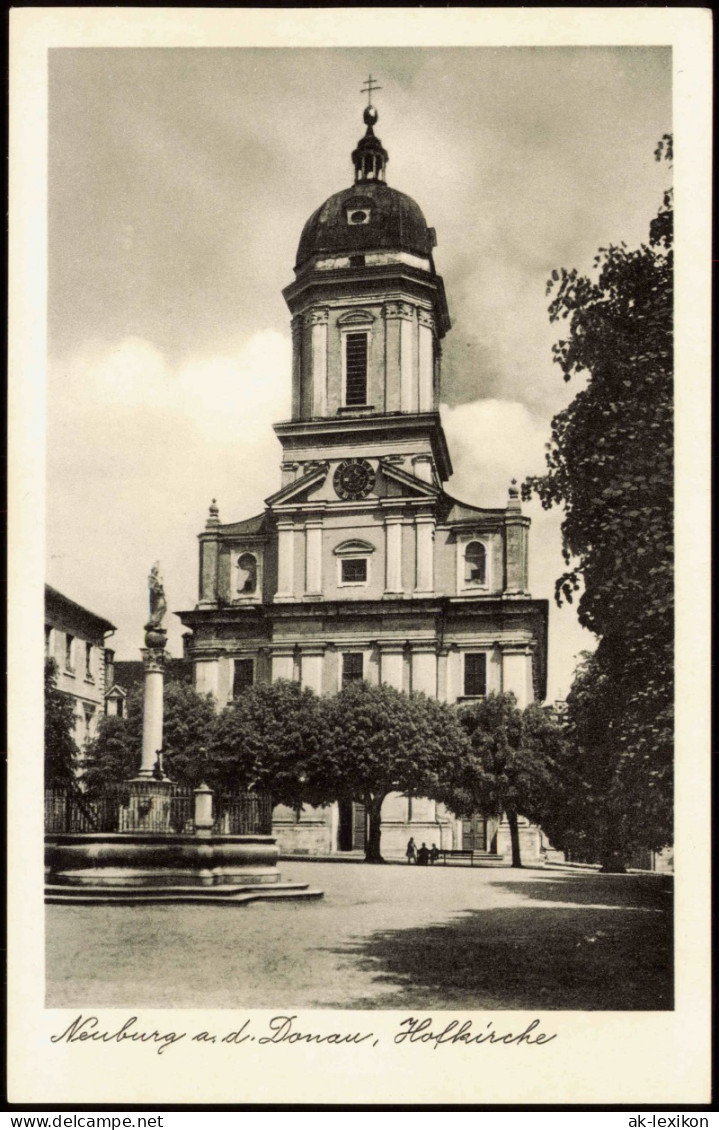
531,956
628,891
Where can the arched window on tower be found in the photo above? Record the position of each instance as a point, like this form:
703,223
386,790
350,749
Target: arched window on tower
246,574
475,564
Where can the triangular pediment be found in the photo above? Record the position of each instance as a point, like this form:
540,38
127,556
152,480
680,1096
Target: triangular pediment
412,487
116,692
297,490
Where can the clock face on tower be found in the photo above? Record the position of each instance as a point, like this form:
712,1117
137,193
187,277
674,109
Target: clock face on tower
354,478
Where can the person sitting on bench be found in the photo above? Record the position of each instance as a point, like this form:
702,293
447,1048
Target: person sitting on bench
423,856
433,854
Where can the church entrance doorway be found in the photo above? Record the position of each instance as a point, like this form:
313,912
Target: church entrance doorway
352,830
474,833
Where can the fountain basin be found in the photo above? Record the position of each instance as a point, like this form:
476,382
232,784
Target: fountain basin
138,860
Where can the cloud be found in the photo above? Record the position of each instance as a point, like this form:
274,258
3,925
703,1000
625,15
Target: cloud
492,442
137,447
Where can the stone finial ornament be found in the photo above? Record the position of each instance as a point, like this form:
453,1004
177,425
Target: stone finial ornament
213,517
514,503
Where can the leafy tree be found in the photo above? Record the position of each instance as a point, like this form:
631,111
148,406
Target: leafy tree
514,763
114,755
381,741
60,749
265,741
187,730
593,815
610,466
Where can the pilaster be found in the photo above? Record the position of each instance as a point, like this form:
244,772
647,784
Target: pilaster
296,365
209,559
425,526
392,352
425,348
283,662
515,545
443,675
285,560
424,667
207,675
313,556
311,666
393,552
391,653
517,672
317,320
407,361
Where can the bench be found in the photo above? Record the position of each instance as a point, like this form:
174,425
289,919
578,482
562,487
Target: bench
458,853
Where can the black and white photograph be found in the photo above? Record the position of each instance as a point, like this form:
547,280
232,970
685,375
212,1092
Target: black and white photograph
371,446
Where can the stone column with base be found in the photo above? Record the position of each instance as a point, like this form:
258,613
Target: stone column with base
148,809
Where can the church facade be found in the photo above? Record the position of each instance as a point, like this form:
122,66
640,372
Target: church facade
361,565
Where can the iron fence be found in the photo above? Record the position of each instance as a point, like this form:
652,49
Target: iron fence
70,810
149,806
144,807
242,814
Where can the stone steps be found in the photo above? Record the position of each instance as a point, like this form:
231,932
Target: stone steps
127,896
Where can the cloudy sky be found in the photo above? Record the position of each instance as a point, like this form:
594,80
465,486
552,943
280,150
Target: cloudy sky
179,181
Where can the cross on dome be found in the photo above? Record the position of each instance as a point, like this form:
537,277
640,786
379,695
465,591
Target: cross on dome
369,158
369,86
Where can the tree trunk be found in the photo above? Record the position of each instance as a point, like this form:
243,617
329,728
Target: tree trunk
612,856
514,835
372,853
612,862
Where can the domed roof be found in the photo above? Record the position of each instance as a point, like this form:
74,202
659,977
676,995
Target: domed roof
369,216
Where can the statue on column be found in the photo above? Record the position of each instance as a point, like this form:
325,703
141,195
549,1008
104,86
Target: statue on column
155,634
158,604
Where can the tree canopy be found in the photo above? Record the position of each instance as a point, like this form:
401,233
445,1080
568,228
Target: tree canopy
61,751
379,741
114,755
610,466
514,762
589,815
266,740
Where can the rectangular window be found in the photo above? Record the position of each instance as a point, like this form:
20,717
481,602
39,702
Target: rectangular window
48,641
69,642
89,712
351,667
354,570
356,377
475,675
244,676
88,661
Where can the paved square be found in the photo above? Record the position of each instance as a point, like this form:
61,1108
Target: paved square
382,937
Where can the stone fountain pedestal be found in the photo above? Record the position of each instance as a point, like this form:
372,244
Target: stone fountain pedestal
146,867
146,860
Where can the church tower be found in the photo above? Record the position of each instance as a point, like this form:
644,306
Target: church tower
368,315
361,565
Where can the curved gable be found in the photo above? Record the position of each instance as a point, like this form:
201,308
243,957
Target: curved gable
355,317
351,546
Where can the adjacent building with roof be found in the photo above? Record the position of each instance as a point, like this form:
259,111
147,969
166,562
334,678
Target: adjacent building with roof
361,565
77,640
